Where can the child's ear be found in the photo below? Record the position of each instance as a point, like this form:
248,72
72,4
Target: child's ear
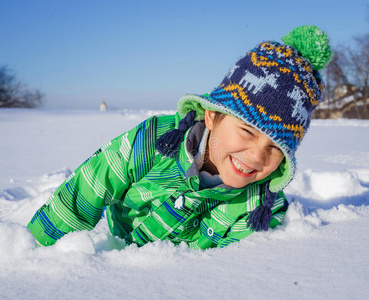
209,119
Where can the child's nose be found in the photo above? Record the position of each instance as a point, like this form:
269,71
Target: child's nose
258,155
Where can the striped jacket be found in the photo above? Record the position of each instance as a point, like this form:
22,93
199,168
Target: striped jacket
149,197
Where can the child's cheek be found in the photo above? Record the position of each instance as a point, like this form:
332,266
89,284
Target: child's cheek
275,164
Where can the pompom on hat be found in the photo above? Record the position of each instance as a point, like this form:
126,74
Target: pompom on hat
275,88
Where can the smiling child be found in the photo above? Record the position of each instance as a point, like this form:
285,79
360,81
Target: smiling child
214,172
239,153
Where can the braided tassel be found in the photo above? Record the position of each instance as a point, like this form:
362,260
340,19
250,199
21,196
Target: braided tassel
259,218
168,144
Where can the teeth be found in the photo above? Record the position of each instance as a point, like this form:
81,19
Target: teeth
240,168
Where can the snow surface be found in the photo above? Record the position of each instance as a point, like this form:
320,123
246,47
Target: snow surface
320,252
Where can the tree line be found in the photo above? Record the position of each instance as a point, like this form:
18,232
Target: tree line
14,93
347,82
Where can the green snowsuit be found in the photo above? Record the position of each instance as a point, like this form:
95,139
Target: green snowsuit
150,197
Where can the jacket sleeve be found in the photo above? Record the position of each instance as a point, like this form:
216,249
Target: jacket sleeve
240,229
78,203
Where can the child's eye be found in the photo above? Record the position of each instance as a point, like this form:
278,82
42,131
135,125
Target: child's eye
248,131
277,148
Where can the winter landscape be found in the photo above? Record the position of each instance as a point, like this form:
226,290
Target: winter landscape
320,251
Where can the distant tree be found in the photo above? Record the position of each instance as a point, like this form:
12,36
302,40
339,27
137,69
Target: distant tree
13,93
335,74
360,65
346,76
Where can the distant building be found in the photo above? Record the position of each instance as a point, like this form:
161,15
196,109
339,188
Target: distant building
103,106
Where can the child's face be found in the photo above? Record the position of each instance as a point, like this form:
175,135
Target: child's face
239,153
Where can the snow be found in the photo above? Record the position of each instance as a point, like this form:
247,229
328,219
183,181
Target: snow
320,251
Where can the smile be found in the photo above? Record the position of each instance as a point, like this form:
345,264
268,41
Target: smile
241,168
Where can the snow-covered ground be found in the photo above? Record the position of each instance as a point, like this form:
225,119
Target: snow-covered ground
320,252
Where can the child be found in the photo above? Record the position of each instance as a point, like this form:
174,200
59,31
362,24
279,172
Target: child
214,172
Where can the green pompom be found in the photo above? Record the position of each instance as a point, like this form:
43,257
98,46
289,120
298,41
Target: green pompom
311,43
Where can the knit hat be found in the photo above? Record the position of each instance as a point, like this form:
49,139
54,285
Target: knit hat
275,88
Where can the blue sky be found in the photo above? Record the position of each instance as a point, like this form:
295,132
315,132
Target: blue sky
147,54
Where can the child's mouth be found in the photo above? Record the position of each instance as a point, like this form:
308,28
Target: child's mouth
240,168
